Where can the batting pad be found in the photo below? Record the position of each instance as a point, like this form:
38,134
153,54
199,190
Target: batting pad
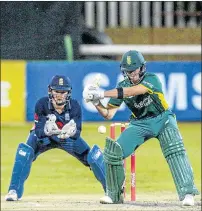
115,175
173,149
96,162
21,169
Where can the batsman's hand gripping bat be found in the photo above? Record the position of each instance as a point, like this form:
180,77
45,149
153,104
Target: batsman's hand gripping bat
96,84
88,97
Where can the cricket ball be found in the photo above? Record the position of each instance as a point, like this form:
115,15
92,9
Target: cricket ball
102,129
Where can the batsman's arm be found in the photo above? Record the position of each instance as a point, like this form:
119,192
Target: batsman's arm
127,91
107,112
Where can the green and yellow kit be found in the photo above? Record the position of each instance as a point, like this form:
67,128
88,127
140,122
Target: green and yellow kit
146,105
151,117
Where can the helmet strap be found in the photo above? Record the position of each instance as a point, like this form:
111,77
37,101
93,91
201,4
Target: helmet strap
50,96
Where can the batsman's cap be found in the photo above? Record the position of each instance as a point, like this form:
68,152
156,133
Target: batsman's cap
132,60
60,82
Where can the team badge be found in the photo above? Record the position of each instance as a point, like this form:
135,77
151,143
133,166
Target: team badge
67,117
61,82
129,60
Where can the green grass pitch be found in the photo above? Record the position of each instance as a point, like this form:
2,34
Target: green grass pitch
56,172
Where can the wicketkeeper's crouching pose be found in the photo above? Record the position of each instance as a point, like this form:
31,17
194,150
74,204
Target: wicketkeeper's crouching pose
57,125
151,117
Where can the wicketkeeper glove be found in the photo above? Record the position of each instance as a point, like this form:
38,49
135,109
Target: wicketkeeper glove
68,130
51,127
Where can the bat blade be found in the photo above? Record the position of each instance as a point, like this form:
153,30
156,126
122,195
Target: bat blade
97,80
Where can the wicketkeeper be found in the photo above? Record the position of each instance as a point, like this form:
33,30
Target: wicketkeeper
58,124
150,117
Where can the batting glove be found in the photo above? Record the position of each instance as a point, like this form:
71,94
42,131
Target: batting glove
93,95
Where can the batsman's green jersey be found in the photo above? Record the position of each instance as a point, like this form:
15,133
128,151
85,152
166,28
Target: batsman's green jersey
149,113
150,104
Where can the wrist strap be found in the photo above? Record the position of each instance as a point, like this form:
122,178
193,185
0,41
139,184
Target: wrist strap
120,92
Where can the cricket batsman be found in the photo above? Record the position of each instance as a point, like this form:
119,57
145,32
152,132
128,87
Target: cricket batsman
58,124
150,117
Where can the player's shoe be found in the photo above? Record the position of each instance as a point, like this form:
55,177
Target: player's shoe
188,200
11,196
106,200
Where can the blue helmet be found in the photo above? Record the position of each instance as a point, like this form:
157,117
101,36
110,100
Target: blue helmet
60,83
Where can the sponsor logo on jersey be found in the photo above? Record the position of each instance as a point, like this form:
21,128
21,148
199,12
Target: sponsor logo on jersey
145,102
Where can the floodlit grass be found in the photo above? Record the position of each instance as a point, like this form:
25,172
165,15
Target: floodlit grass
56,172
